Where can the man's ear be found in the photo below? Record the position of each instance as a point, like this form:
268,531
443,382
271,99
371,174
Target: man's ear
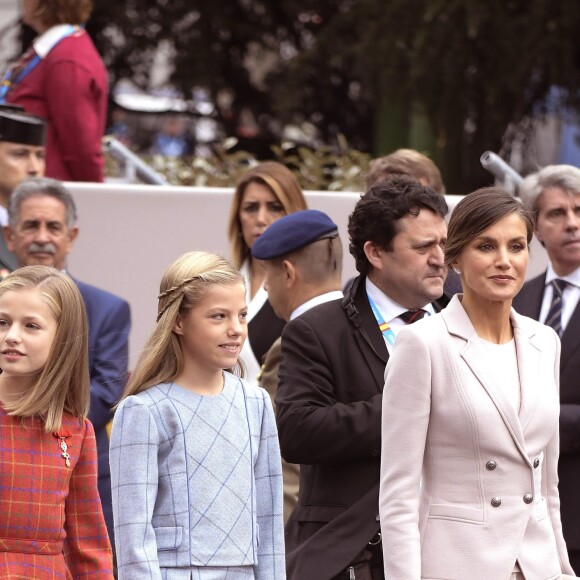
72,236
8,237
290,273
373,253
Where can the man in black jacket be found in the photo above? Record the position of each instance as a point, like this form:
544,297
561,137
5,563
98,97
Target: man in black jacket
331,379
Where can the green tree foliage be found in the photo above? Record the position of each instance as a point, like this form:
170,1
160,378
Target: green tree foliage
471,68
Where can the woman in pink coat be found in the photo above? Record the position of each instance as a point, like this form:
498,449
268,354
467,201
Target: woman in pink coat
470,419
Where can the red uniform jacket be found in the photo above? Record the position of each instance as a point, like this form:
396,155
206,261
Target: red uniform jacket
69,88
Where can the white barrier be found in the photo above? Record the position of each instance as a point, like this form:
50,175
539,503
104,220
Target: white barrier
129,234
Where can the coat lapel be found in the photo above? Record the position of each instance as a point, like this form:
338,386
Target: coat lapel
471,355
528,301
371,335
458,324
571,338
368,335
529,360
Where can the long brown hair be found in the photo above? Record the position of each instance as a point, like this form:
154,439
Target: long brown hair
63,384
281,182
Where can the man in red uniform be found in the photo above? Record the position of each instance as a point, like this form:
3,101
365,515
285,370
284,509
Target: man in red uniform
63,80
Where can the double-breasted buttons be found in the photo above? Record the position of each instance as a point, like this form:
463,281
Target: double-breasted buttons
491,465
536,462
528,498
496,501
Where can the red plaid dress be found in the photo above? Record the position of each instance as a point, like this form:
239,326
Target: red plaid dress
51,523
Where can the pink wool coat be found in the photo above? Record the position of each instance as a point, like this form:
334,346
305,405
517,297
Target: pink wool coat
468,485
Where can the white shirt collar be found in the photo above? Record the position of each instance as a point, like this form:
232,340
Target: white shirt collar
3,216
388,307
317,300
572,278
45,42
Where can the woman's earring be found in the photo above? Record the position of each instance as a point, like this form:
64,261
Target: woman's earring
456,270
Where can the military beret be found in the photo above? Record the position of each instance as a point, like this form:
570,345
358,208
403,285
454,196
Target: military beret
22,128
293,232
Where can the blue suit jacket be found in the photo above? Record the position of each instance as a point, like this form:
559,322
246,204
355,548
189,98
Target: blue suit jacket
109,325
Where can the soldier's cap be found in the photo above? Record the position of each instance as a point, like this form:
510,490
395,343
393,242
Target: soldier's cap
11,108
19,127
293,232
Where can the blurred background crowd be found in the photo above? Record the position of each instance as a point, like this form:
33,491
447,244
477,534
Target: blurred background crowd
332,84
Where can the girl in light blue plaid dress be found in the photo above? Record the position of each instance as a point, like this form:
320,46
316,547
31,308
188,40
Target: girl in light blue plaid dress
195,461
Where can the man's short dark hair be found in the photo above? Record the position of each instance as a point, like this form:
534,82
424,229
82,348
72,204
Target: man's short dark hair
376,214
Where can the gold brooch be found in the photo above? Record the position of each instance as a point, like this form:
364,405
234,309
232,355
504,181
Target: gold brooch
64,446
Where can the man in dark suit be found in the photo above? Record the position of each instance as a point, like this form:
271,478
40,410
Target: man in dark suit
553,194
302,256
42,230
22,139
331,379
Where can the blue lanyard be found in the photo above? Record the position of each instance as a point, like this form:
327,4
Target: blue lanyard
386,330
8,82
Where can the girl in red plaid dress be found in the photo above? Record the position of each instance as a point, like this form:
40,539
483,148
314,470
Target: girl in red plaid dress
51,523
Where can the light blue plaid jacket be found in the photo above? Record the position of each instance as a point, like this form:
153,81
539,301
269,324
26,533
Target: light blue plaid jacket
197,481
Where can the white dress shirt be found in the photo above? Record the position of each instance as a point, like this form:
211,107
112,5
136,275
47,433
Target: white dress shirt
317,300
570,296
390,310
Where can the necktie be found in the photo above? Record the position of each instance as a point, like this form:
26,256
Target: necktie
412,315
554,318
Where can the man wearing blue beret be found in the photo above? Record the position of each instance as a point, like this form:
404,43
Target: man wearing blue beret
302,256
329,400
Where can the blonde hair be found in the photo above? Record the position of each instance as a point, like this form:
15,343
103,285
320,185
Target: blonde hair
63,384
281,182
182,287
